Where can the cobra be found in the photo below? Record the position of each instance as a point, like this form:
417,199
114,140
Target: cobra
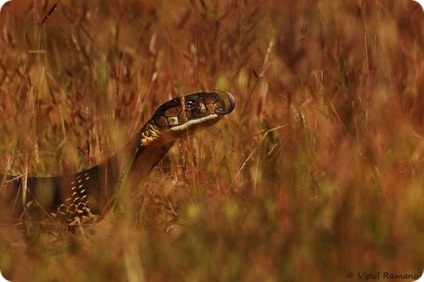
85,197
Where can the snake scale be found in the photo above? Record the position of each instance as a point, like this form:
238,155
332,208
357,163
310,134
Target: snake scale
85,197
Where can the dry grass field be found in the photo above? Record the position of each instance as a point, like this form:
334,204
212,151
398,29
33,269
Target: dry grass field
317,175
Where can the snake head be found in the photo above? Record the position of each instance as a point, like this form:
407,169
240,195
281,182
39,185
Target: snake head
186,114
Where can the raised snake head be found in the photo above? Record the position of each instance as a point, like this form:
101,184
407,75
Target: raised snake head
186,115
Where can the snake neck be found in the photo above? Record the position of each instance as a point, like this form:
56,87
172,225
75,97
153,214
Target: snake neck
141,160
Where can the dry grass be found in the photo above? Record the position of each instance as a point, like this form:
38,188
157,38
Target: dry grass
318,172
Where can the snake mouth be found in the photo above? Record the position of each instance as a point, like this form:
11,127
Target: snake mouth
226,110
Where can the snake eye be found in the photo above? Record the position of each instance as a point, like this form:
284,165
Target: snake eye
189,104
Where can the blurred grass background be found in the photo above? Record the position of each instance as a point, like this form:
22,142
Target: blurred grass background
317,173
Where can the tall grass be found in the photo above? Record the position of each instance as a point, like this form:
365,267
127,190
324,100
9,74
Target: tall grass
318,172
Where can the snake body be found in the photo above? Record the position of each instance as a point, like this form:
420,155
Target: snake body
88,195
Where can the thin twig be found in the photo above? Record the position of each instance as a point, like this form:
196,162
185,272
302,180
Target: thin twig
254,150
